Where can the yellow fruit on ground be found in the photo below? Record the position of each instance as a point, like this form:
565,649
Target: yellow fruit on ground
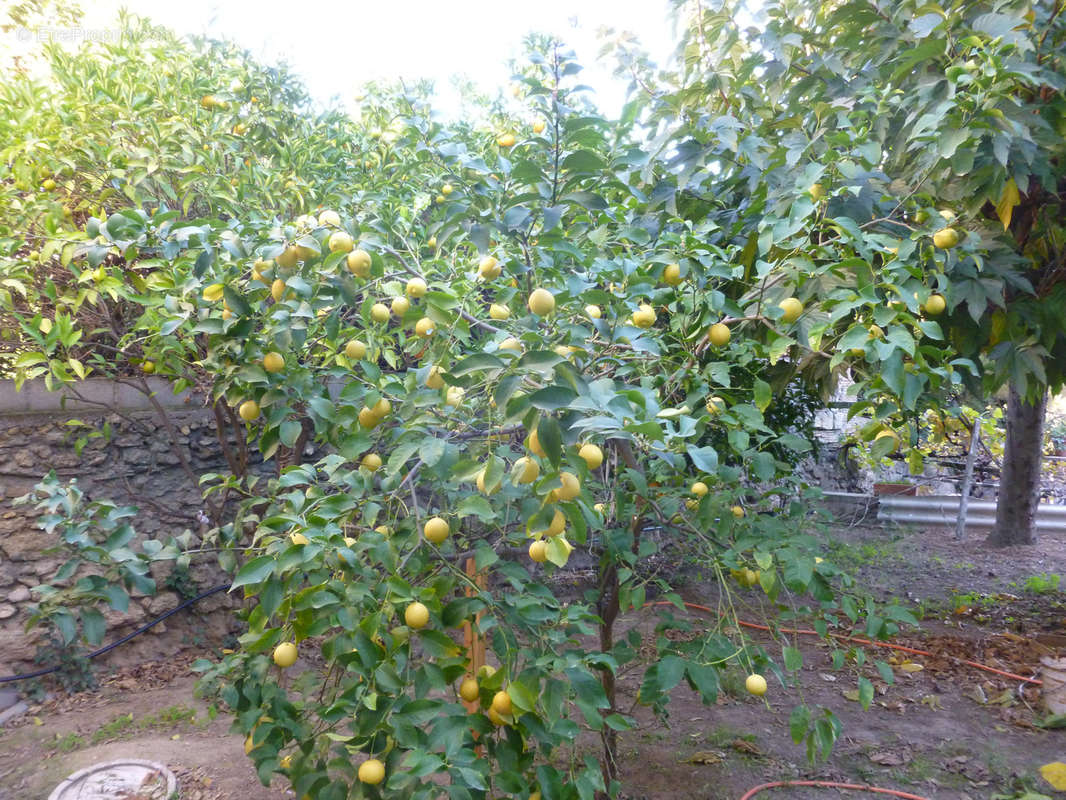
756,685
738,511
946,238
593,311
719,334
935,305
699,488
501,703
571,487
541,302
367,418
434,378
298,538
507,140
889,434
425,327
213,293
355,350
371,461
672,274
340,242
511,343
592,455
526,469
416,616
792,308
469,690
379,312
277,289
499,312
285,654
715,404
416,287
400,306
273,362
436,530
147,367
371,772
248,410
538,126
538,551
330,218
359,263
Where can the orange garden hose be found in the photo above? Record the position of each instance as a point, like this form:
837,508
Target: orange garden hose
859,640
833,785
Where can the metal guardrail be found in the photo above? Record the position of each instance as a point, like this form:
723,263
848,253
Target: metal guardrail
944,510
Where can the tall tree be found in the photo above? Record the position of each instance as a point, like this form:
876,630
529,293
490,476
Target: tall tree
929,140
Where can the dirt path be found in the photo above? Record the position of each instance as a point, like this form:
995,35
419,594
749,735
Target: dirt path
166,724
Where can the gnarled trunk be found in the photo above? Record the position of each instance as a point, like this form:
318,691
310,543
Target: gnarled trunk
1019,480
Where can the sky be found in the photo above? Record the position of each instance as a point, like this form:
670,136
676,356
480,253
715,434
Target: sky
336,47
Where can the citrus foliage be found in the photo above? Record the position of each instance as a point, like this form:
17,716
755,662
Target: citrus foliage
513,343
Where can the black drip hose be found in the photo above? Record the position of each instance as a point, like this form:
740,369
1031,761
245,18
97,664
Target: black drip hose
124,639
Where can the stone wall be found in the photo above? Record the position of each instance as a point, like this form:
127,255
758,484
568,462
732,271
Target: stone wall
137,464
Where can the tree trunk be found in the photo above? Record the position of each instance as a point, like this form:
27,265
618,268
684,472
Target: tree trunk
1019,480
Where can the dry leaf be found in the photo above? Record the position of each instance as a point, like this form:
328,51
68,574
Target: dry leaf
887,758
1055,774
910,666
852,695
933,701
706,757
977,694
744,746
1006,204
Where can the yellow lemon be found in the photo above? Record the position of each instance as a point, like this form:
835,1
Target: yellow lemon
248,410
592,455
538,126
538,551
738,511
277,289
273,362
511,343
571,487
935,305
501,703
331,218
469,690
541,302
359,263
340,242
756,685
434,378
946,238
372,772
355,350
499,312
436,530
526,469
593,311
213,293
416,287
416,616
533,442
792,308
379,312
371,461
285,654
507,140
644,316
298,538
489,268
719,334
699,488
425,327
672,274
400,306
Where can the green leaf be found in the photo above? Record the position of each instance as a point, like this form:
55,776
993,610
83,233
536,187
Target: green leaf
793,658
866,693
705,459
254,571
798,723
552,398
763,394
289,432
93,625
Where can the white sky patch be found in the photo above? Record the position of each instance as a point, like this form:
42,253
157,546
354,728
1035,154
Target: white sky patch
337,47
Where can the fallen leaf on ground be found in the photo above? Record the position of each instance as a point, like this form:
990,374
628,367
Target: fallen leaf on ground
888,758
910,666
1055,774
706,757
933,701
744,746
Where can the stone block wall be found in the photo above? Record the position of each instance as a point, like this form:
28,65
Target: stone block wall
138,465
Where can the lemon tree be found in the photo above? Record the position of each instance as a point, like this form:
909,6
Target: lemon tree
467,355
